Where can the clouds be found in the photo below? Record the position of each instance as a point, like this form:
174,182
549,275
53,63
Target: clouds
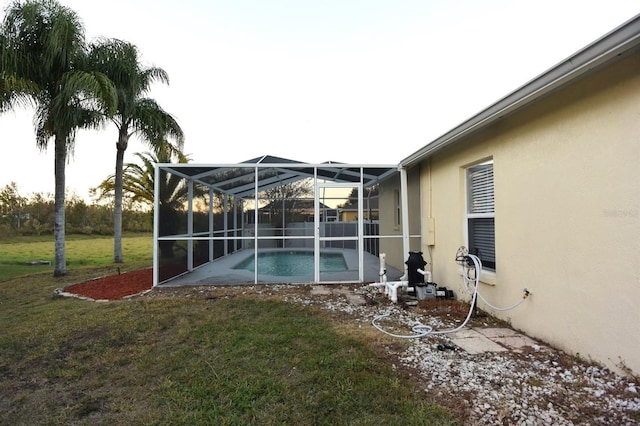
352,81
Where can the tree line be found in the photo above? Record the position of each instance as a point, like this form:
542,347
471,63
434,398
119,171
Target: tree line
47,64
34,215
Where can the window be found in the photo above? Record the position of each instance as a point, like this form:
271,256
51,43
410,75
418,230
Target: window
481,214
397,212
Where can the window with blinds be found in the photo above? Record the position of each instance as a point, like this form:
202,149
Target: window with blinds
481,214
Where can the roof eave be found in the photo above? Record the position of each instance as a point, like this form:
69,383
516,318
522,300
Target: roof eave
622,39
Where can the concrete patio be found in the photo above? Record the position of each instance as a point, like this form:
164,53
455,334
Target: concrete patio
221,272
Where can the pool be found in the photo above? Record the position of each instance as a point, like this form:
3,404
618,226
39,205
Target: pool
292,263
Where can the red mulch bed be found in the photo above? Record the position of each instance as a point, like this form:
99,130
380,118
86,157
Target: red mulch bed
114,287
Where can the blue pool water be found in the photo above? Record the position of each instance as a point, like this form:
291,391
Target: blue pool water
293,263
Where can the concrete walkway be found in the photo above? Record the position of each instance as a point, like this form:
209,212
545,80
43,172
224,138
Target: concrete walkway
479,340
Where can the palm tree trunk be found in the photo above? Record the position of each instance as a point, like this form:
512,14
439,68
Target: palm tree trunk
123,140
60,268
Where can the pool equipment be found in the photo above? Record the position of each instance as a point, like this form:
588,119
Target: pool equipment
390,289
413,281
415,264
471,266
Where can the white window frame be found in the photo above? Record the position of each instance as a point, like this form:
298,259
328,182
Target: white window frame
481,205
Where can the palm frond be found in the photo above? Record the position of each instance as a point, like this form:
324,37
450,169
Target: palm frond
64,40
139,178
154,74
16,92
155,125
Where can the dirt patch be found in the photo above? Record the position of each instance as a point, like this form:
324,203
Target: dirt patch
114,287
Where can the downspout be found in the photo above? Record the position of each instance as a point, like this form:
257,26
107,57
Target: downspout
404,203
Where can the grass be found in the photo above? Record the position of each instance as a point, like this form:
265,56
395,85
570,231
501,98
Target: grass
81,251
186,361
225,361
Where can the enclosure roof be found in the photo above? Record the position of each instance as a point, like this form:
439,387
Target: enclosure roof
239,179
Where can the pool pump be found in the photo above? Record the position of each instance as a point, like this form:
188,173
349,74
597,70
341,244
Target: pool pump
471,266
413,281
416,274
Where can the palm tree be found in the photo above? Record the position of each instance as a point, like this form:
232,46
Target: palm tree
138,179
136,114
43,63
139,183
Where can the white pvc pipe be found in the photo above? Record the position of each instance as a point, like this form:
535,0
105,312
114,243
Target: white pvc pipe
393,289
427,274
390,288
383,267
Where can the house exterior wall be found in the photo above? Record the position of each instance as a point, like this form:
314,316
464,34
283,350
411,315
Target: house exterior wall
389,225
567,215
352,216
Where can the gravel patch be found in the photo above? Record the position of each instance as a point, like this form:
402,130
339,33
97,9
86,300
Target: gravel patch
532,385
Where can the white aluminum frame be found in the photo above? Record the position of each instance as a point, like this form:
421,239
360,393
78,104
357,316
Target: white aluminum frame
291,171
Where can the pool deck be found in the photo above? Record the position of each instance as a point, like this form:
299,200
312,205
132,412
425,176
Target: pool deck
221,271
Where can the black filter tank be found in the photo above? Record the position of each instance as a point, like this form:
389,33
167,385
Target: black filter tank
414,263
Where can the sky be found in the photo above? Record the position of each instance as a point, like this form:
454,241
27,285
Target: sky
354,81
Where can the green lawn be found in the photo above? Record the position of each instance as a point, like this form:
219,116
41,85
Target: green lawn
81,251
223,361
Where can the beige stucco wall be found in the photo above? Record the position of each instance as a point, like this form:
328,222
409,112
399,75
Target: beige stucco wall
567,196
392,247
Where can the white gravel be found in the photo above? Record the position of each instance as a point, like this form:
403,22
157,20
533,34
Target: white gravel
538,386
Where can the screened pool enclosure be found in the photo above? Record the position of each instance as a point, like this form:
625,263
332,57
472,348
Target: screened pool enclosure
271,219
